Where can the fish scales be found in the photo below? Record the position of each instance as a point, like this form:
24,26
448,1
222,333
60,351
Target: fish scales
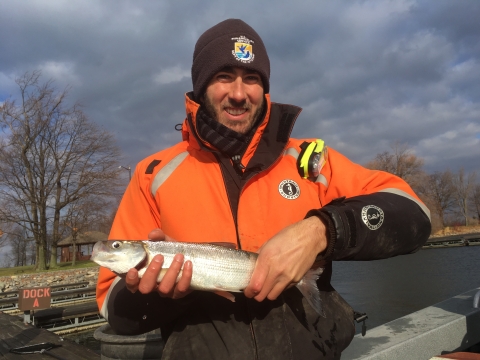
214,266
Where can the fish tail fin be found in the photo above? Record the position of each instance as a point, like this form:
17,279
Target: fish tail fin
308,288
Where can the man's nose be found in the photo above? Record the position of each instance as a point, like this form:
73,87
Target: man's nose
237,90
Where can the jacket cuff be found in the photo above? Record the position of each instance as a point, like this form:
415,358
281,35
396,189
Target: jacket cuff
331,232
340,232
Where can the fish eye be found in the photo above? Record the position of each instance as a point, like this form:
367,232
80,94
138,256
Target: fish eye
116,245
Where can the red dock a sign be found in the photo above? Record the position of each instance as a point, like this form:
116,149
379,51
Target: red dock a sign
34,298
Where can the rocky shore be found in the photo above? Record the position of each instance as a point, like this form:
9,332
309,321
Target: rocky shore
15,282
457,230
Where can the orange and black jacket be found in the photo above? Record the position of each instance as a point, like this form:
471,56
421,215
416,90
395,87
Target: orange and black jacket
196,194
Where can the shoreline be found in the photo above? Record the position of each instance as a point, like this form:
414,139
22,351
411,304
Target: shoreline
58,277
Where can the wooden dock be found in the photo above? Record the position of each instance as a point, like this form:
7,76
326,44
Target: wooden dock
14,334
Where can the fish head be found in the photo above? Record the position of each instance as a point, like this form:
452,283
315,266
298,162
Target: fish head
119,256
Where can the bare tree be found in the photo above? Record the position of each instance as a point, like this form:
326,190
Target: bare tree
400,161
19,247
16,241
438,188
476,200
3,236
86,214
464,185
51,156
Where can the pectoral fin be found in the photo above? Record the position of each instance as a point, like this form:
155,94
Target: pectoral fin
226,295
308,288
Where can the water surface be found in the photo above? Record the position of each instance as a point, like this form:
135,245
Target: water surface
392,288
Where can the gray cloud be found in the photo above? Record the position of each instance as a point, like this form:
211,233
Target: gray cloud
367,73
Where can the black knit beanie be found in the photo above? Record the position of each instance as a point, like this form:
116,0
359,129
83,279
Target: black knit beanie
229,43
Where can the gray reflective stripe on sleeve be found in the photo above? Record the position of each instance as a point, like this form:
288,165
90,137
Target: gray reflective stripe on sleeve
408,196
166,171
104,309
292,152
322,180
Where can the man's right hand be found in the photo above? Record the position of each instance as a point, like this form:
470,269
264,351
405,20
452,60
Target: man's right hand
168,287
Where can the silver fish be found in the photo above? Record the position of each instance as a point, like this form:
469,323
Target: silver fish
215,268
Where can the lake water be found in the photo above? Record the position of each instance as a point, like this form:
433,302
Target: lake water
392,288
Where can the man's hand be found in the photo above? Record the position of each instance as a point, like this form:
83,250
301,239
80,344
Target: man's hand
168,287
285,258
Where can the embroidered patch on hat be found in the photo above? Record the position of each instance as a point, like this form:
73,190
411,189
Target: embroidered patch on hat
372,216
243,50
289,189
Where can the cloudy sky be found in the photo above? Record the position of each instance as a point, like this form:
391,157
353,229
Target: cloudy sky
366,73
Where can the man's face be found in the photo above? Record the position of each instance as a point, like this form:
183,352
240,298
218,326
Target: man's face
234,98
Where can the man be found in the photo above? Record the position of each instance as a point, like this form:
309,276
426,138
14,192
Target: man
238,179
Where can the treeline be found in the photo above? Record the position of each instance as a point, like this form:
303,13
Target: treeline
453,197
58,172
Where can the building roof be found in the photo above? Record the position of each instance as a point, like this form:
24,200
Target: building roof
88,237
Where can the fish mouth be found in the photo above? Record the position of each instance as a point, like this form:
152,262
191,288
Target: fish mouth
98,248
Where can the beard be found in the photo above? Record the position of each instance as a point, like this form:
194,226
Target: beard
241,127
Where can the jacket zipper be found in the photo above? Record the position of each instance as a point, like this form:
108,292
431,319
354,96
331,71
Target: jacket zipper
254,338
243,184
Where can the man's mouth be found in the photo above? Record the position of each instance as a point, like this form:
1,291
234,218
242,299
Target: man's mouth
236,111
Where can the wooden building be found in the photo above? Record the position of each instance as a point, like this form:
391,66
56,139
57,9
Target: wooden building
84,243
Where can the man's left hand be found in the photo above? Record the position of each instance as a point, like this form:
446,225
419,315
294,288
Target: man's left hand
285,258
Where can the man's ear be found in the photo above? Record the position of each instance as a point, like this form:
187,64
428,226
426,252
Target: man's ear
201,100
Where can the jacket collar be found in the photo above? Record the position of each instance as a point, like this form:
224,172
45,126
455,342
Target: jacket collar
268,142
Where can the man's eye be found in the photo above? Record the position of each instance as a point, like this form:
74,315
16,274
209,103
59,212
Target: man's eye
252,79
223,77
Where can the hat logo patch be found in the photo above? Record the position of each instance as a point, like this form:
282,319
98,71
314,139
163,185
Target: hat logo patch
243,50
372,216
289,189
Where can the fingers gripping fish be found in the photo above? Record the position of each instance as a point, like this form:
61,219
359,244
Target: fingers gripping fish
215,268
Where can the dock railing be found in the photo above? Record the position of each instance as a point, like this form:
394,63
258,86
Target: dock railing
59,293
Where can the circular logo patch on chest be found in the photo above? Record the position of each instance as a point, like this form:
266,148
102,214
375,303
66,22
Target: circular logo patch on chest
289,189
372,216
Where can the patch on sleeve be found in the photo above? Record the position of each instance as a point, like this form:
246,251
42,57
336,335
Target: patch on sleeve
372,216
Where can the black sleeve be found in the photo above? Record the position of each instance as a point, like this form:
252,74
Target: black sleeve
136,313
374,226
